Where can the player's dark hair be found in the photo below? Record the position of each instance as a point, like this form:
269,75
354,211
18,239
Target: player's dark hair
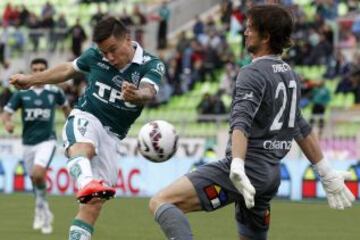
274,21
39,61
108,27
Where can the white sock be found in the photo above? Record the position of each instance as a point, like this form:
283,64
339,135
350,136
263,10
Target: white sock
79,230
80,169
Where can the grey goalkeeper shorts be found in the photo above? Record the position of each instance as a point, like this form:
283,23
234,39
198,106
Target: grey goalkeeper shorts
215,190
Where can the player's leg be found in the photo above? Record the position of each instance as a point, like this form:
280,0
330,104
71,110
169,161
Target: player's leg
170,205
28,156
82,227
44,153
208,188
79,166
81,135
253,224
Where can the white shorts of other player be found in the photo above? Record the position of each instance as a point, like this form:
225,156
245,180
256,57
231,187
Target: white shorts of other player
83,127
40,154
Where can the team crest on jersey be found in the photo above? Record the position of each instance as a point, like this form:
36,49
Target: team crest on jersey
37,102
135,77
82,124
160,69
51,98
117,80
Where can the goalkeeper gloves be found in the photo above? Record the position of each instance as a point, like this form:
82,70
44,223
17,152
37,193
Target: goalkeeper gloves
337,193
242,182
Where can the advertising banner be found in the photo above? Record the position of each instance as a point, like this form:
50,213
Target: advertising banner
141,178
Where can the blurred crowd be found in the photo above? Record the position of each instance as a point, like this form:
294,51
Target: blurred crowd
21,27
327,34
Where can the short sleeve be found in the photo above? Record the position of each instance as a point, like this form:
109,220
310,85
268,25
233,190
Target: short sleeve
14,103
61,98
154,73
83,63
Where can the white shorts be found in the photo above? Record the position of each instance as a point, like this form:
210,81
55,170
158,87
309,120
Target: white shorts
83,127
40,154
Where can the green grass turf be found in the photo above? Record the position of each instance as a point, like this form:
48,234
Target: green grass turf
129,219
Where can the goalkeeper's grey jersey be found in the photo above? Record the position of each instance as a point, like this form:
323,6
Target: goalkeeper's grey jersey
265,108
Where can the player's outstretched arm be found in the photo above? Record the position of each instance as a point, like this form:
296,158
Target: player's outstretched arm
237,170
58,74
7,121
337,193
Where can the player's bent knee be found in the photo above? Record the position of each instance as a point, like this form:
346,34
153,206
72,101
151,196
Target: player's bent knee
84,149
246,233
38,175
159,199
154,203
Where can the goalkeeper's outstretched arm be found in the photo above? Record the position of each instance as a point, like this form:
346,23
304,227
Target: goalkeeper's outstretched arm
337,193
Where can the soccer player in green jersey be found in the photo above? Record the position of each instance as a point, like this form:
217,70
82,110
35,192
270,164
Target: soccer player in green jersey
122,77
38,136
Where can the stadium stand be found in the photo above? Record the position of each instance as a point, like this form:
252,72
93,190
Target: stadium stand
180,108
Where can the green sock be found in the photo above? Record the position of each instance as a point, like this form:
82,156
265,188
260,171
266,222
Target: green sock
80,230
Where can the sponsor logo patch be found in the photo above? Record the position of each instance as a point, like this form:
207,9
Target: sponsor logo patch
37,102
117,80
103,65
267,217
216,195
247,96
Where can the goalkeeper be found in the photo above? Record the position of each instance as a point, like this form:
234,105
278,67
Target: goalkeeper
265,118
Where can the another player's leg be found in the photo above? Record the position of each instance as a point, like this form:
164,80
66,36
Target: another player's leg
43,216
170,205
208,188
44,153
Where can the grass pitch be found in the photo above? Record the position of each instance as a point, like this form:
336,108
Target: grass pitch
129,219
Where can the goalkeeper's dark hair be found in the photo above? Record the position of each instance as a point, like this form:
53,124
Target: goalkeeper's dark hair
274,21
39,61
107,27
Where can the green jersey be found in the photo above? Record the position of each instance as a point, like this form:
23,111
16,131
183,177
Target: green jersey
103,98
37,112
